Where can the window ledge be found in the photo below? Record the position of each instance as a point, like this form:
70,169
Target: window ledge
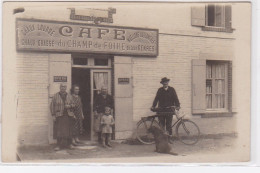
217,29
217,114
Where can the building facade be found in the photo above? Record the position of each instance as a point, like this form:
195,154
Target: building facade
192,44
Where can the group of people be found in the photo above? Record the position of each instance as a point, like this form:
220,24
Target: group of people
67,113
66,110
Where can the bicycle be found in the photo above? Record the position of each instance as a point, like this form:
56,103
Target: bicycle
186,130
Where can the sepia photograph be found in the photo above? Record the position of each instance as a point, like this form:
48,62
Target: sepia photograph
126,82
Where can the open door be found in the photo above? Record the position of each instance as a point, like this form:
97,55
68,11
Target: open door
59,72
99,78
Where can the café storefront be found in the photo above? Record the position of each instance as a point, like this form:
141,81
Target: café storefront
90,55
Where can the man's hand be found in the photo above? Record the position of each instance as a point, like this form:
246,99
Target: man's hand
152,108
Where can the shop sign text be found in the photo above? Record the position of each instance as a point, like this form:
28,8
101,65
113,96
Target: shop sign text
59,78
56,36
123,81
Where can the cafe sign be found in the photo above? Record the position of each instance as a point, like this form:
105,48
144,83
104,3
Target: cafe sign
55,36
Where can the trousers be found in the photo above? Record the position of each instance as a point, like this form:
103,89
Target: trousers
166,120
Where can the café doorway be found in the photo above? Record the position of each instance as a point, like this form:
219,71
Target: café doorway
90,73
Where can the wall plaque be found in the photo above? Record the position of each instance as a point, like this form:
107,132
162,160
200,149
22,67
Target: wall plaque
123,81
59,78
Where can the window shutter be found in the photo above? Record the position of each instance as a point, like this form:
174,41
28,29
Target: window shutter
228,16
198,86
59,65
198,16
123,99
230,86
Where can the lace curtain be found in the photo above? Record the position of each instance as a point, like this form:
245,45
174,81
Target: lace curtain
100,80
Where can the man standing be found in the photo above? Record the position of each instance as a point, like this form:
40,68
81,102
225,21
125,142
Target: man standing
166,96
62,112
101,101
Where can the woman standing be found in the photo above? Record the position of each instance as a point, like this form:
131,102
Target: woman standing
62,111
77,127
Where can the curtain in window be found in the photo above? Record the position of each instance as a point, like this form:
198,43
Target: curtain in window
220,86
100,80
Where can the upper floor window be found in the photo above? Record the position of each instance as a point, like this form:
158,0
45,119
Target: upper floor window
212,17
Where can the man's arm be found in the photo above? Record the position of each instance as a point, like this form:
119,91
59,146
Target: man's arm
156,99
176,99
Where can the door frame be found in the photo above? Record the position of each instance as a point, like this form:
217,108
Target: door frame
92,71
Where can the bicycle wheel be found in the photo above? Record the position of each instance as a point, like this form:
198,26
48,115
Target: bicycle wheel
142,131
187,132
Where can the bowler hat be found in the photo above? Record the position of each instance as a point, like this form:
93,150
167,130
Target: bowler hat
165,79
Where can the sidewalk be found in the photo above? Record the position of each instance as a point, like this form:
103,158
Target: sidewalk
206,150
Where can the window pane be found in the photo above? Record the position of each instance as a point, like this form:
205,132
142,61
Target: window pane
209,71
220,71
211,15
209,86
209,100
216,84
219,16
80,61
101,61
220,87
220,101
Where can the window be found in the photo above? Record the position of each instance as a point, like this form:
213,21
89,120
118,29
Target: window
211,87
216,15
212,17
216,85
101,62
80,61
91,60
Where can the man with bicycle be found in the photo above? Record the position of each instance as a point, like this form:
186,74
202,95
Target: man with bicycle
166,96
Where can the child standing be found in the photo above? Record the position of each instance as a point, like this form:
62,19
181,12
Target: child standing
107,121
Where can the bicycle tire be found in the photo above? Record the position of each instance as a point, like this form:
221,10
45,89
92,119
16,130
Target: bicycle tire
187,132
142,133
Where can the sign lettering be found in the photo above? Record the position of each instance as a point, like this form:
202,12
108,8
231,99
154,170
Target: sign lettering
59,78
54,36
123,80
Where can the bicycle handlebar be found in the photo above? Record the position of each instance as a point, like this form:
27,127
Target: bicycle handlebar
161,108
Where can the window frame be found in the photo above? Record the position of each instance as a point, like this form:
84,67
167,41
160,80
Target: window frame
223,18
226,93
91,61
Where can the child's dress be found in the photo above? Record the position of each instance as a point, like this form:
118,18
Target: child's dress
107,121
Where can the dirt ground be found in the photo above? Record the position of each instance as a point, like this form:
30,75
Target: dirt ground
122,149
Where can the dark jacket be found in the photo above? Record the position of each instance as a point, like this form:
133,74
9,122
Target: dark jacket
166,98
100,103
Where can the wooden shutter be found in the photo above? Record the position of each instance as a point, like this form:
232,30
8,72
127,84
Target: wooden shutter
198,86
230,86
228,16
59,65
198,15
123,97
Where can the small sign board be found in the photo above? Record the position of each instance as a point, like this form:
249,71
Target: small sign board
59,78
123,81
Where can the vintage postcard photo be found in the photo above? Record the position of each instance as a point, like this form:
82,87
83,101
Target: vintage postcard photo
126,82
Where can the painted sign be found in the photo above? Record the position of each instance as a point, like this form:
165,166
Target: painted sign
59,78
55,36
95,15
123,80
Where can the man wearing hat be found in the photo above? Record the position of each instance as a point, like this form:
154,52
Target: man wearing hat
166,96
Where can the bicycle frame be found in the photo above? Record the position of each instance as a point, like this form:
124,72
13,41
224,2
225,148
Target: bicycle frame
154,116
